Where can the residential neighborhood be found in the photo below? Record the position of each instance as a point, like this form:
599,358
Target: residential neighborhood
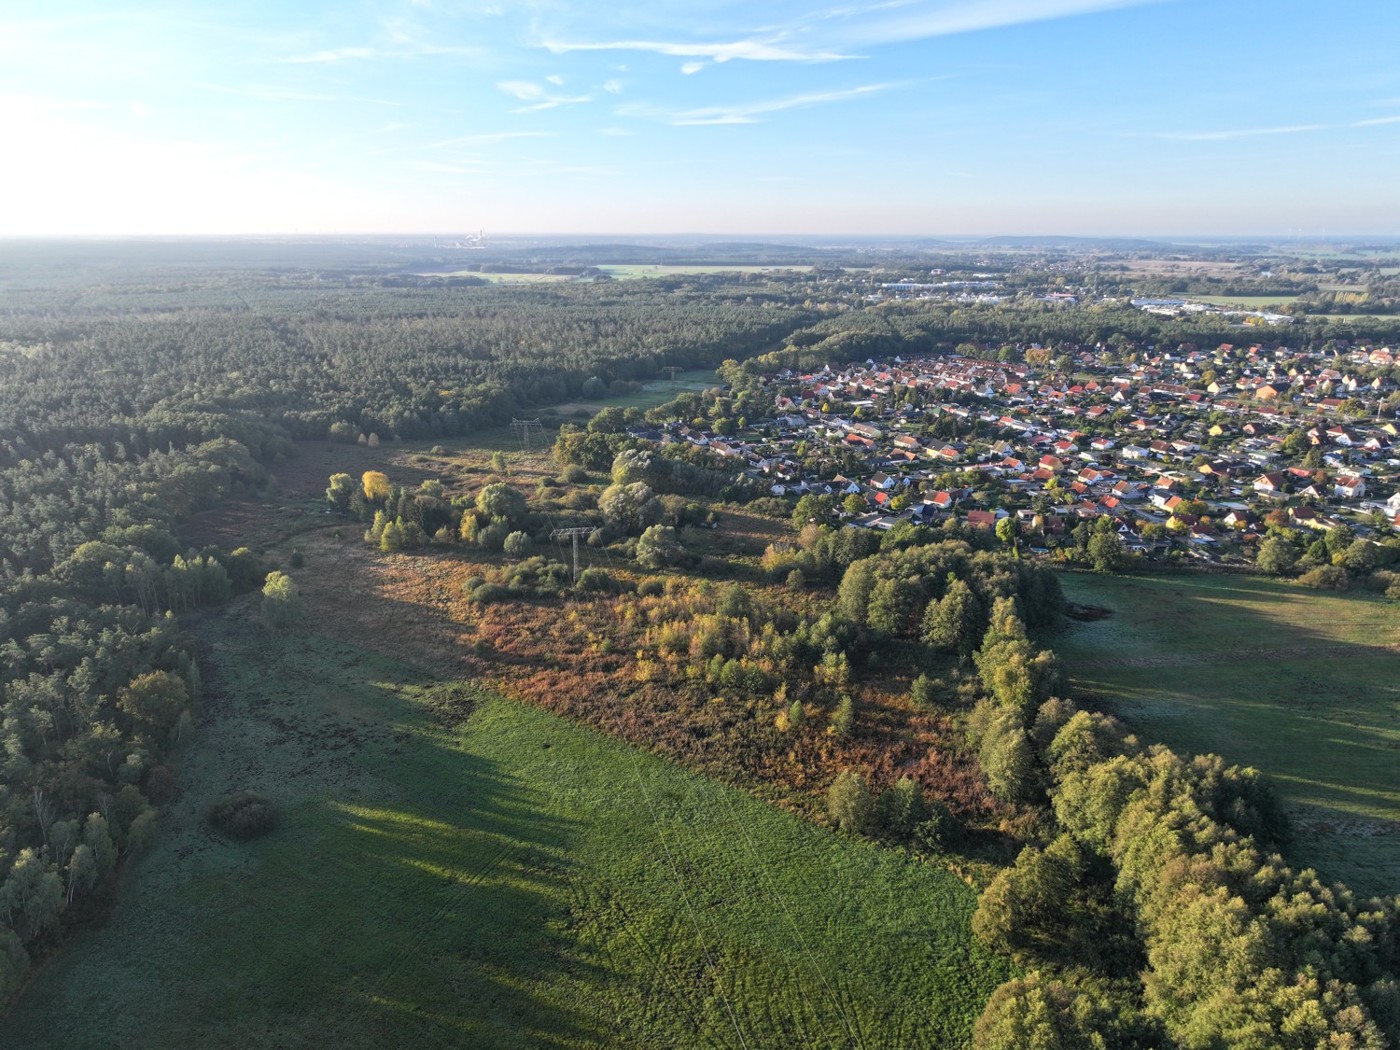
1191,452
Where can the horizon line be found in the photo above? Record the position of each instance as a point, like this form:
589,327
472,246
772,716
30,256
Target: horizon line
728,236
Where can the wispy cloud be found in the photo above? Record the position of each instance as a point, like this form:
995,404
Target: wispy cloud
537,97
1237,133
894,23
403,49
1230,134
750,112
830,36
754,50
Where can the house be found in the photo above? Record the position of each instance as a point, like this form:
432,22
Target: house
1270,484
1350,487
981,519
1306,517
1241,519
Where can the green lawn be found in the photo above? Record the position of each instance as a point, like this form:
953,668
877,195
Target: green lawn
497,879
1301,684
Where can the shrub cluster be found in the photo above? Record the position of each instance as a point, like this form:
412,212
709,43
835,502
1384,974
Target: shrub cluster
243,815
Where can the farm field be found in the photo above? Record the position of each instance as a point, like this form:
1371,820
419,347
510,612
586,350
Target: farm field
1298,683
455,869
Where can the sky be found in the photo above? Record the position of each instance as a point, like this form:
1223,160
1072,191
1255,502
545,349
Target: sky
1264,118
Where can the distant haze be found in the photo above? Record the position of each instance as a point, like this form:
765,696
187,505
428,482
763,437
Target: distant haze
1173,118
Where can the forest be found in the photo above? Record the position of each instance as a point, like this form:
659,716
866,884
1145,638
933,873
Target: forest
1117,874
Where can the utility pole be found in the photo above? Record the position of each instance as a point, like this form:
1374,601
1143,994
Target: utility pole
673,369
574,533
524,427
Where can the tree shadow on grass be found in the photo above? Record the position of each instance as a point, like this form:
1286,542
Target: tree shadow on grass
1257,671
437,925
412,895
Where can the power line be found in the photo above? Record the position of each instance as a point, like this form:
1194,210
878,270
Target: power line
574,533
524,428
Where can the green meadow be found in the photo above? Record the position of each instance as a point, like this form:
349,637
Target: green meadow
1302,684
457,870
1246,302
634,271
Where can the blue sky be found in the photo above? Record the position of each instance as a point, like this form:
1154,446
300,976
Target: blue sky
927,117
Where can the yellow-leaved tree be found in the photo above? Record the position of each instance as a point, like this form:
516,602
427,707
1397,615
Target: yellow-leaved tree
376,486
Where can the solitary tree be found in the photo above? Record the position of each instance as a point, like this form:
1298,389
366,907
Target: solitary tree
812,509
1106,553
281,604
499,500
901,808
376,486
1006,531
341,488
659,547
849,803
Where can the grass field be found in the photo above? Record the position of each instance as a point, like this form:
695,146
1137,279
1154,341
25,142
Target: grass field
654,392
1298,683
488,875
1245,302
632,271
